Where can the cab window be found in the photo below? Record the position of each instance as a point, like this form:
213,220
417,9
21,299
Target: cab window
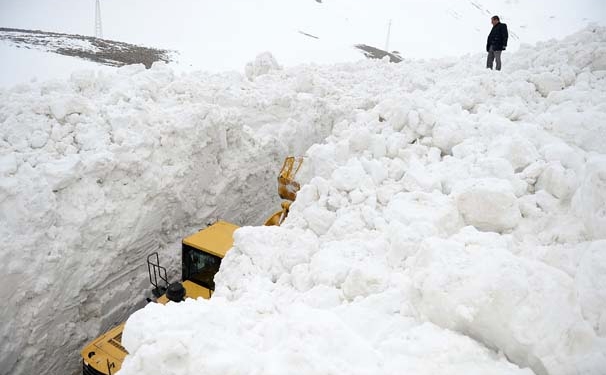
200,267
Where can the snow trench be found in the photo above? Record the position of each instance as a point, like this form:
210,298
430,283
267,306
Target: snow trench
452,218
104,169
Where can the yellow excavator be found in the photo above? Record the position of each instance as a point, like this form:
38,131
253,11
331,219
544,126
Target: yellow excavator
201,255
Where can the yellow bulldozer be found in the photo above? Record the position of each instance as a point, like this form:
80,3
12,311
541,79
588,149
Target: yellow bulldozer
201,255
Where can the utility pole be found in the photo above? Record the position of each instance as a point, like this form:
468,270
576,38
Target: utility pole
388,36
98,26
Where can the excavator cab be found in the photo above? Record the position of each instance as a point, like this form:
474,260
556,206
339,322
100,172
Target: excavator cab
201,256
201,253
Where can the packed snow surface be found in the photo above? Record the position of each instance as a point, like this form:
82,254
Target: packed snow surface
452,219
454,224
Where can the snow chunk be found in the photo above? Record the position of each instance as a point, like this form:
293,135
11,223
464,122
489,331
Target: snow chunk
547,82
61,106
263,64
38,139
590,199
598,60
376,170
557,180
446,135
62,173
366,279
318,218
566,155
8,164
488,204
520,152
417,178
359,140
434,208
586,129
591,286
526,309
349,177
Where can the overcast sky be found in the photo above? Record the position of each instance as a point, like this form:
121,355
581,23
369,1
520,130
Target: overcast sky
218,35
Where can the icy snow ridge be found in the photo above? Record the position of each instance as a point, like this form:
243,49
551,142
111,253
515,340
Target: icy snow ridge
453,227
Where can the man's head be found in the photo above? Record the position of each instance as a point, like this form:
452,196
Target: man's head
495,20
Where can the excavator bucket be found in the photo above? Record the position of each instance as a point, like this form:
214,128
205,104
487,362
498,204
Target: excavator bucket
287,186
278,217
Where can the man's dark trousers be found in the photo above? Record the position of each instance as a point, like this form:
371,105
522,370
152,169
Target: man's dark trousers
492,55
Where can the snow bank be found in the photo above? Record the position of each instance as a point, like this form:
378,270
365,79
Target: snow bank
376,269
450,225
102,169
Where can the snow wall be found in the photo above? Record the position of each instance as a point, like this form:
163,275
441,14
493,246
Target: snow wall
104,169
455,226
452,222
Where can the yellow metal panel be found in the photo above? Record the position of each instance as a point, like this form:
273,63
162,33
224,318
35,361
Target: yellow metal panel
104,350
215,240
192,290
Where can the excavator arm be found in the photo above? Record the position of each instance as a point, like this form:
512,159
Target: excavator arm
287,188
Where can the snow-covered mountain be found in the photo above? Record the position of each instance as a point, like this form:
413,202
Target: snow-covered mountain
452,219
102,51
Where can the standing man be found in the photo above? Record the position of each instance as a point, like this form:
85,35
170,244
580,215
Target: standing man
497,42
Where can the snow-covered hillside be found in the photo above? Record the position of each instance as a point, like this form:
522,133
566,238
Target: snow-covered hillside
454,225
102,51
224,35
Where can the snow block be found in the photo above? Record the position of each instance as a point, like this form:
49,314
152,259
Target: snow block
8,164
520,152
488,204
547,82
598,61
434,209
523,308
349,177
263,64
417,178
558,181
590,199
566,155
591,286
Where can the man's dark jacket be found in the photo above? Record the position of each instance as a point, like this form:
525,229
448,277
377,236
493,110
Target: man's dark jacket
497,37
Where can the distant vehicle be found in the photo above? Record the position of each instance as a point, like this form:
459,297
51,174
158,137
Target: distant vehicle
201,255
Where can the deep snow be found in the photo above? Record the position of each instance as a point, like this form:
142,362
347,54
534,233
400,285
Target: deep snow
101,170
377,266
455,224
